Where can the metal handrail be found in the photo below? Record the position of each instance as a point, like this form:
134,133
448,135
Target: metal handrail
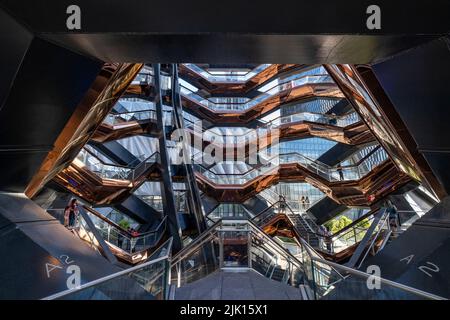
320,167
382,280
124,232
280,248
114,275
314,256
260,69
137,111
103,162
281,86
384,221
311,231
197,241
132,170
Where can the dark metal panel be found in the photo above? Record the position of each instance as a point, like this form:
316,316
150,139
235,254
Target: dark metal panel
47,89
18,166
417,84
256,204
326,209
33,239
235,16
15,40
337,153
116,152
138,210
231,48
423,247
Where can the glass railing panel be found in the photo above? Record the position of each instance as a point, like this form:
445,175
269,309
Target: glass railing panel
229,211
143,166
146,281
342,173
202,260
101,169
340,121
149,239
115,119
188,93
331,281
122,239
156,202
358,285
143,78
229,76
120,118
85,233
236,178
345,239
273,260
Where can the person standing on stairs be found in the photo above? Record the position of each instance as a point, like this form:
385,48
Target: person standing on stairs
303,202
282,204
339,170
307,203
71,214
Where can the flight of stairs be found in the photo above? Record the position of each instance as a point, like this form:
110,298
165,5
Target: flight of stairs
300,223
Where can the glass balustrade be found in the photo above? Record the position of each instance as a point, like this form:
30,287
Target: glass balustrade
355,232
262,132
226,76
309,79
120,118
339,121
122,239
331,281
148,280
235,244
115,119
103,170
156,201
117,172
311,232
146,78
343,173
143,78
236,178
111,232
220,248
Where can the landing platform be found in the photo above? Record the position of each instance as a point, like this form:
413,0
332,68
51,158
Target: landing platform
246,285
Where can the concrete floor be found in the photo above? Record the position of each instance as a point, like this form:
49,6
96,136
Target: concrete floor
246,285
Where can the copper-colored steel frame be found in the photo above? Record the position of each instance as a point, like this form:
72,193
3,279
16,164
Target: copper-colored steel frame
379,182
303,92
271,227
385,124
275,70
382,180
109,85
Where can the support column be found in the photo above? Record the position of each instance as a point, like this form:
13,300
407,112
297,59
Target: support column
166,187
194,199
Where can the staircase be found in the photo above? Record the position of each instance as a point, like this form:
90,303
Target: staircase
303,228
302,223
278,274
